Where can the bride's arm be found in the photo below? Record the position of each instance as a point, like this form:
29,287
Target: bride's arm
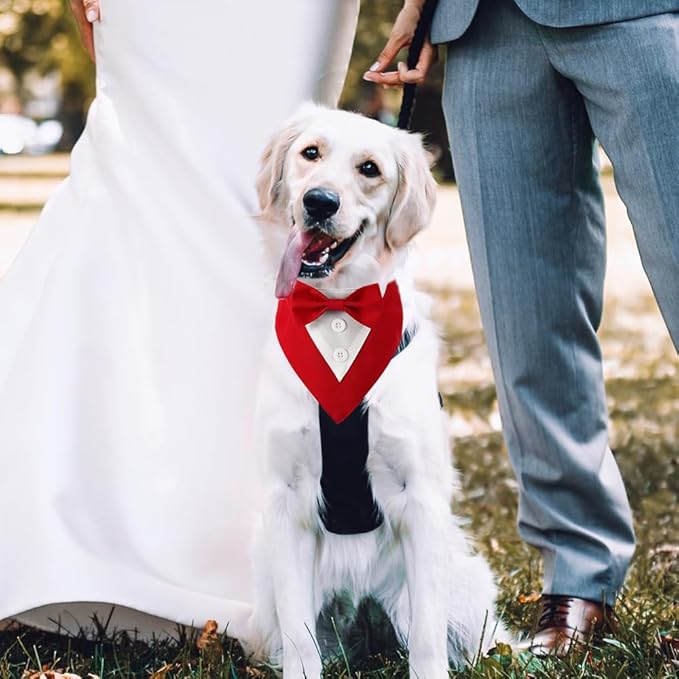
86,12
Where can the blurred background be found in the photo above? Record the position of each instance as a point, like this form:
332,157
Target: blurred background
47,80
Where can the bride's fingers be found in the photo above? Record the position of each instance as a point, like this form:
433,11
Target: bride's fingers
84,26
91,10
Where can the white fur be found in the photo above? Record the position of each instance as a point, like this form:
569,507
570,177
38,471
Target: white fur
418,564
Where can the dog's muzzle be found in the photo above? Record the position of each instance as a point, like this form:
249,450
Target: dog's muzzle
320,204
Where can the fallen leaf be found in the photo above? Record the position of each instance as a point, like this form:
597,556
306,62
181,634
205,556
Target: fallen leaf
531,598
208,637
160,674
495,547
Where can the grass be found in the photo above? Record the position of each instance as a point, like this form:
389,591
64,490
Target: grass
643,392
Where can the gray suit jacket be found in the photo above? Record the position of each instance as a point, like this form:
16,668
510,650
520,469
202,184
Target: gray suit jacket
453,17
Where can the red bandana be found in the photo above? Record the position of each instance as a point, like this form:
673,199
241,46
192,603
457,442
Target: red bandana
384,317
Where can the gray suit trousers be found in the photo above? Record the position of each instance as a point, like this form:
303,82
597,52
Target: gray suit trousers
523,103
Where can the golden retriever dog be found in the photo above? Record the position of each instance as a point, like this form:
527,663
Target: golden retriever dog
341,198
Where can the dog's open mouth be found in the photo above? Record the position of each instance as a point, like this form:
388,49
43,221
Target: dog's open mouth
323,252
311,253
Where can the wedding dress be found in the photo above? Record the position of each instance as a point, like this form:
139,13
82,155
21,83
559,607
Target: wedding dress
131,322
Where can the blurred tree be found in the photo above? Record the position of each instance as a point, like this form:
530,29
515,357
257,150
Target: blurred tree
41,36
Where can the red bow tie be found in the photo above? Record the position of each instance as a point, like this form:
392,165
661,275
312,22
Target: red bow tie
364,305
384,317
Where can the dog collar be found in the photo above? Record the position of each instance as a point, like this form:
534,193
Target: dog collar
338,389
406,338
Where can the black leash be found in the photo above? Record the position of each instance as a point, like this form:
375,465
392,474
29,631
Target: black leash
408,101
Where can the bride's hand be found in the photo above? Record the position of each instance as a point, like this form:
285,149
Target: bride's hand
401,36
86,12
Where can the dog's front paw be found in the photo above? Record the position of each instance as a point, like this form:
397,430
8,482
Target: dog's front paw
428,667
301,659
300,668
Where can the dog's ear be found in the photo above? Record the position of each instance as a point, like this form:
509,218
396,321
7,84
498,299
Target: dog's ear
416,193
269,183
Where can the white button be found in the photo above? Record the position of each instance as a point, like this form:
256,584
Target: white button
340,355
338,325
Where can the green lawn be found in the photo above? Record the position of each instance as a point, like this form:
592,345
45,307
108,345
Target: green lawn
644,402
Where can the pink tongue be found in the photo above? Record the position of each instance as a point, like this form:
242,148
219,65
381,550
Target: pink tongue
291,263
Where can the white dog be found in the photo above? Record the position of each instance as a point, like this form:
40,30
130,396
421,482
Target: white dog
350,193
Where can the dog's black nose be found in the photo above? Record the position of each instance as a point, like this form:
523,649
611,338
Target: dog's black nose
321,203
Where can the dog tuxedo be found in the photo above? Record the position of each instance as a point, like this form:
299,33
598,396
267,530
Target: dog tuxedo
339,348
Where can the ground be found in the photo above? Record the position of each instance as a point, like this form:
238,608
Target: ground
642,379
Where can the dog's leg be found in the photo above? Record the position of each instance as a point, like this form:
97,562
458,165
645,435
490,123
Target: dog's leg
292,574
284,549
396,605
424,533
473,625
263,639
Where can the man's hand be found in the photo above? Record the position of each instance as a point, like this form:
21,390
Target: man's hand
86,12
401,36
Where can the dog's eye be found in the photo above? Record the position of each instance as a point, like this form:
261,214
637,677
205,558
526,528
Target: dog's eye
369,169
311,153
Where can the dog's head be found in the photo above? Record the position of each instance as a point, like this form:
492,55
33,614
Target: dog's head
351,192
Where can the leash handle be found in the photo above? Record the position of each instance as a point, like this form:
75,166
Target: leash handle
408,101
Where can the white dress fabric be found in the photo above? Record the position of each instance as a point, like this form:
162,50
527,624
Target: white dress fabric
132,321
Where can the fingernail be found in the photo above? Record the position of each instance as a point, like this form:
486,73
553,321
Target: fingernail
91,15
375,66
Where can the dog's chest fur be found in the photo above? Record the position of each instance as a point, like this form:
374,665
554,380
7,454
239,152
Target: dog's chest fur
403,442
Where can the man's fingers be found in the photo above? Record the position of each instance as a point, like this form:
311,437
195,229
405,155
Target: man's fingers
409,76
401,36
428,56
387,55
404,75
418,74
388,79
